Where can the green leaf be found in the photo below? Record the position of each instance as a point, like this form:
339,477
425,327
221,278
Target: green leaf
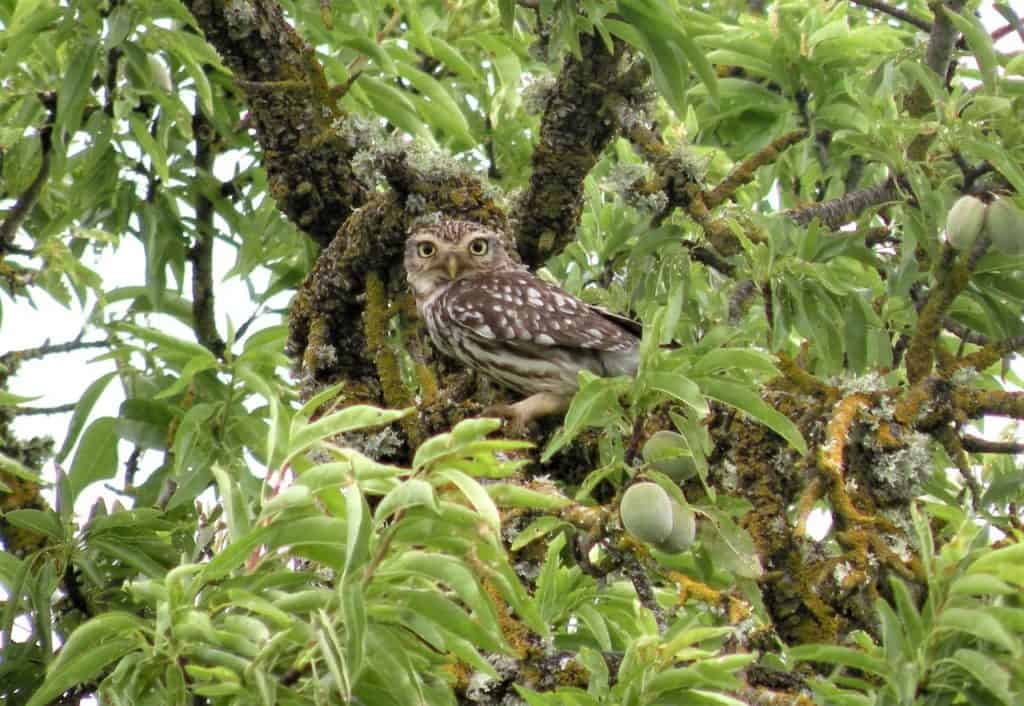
82,411
304,436
411,493
680,388
441,109
1006,563
595,623
744,398
82,669
836,654
391,104
96,458
150,147
987,672
44,522
982,625
74,90
476,494
595,403
535,530
357,530
510,495
980,42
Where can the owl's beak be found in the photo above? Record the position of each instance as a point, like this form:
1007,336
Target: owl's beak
452,265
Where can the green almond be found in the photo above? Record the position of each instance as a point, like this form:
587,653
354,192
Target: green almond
666,451
684,530
965,221
1005,225
646,512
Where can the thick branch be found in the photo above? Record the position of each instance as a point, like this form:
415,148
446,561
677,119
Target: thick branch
572,137
844,209
972,403
307,158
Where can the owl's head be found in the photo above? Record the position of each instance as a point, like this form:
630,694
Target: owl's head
439,254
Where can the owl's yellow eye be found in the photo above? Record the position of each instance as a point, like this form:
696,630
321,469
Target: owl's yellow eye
479,246
426,250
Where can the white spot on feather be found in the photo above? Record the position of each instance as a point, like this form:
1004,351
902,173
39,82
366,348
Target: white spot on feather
544,339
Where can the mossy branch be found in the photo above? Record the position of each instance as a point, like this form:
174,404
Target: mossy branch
572,137
951,276
308,162
744,172
831,457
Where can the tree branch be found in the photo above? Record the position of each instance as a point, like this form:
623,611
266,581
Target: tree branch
951,277
572,137
848,207
937,55
23,206
204,321
57,409
887,9
975,444
743,173
307,156
48,348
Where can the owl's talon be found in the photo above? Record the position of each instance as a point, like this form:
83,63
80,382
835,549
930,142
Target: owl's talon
515,422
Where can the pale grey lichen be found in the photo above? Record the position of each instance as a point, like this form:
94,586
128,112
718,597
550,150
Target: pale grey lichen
536,94
896,477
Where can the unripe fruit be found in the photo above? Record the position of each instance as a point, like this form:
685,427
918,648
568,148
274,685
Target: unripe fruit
965,221
1004,223
684,529
667,452
646,512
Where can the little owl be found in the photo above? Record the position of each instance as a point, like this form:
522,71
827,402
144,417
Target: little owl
487,312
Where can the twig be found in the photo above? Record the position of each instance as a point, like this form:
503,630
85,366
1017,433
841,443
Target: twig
744,172
899,14
57,409
48,348
645,593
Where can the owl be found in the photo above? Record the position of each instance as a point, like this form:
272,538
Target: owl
493,315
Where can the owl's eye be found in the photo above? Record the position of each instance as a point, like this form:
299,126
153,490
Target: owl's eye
426,250
479,246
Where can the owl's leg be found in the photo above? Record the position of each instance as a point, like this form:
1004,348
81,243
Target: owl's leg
525,411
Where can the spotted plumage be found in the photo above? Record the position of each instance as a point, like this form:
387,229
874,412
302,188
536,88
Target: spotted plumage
494,315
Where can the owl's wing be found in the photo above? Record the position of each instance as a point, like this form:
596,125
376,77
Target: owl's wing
518,307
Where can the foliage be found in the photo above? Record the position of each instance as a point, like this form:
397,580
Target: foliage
763,185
